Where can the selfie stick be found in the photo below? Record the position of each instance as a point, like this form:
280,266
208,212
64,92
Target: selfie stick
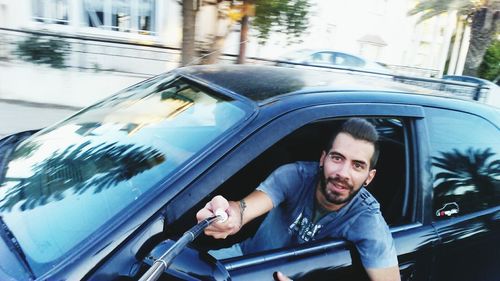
162,263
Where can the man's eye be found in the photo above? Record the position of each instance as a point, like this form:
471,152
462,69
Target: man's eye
335,157
358,166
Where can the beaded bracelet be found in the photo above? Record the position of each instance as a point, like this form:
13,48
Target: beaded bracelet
243,206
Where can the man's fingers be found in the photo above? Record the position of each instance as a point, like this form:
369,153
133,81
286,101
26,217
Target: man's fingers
220,230
208,206
219,235
216,233
219,202
203,214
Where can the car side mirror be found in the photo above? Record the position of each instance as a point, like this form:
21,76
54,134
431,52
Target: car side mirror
189,264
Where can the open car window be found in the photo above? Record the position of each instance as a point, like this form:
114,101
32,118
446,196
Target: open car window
300,136
306,144
317,258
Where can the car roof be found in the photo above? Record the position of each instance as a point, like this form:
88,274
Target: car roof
260,83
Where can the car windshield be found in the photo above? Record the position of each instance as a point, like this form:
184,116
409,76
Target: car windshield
68,181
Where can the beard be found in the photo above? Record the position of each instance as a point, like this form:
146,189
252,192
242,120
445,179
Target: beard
333,196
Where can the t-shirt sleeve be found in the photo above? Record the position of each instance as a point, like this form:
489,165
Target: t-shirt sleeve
281,183
373,240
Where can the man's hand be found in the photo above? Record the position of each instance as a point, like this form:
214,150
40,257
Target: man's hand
278,276
220,230
239,213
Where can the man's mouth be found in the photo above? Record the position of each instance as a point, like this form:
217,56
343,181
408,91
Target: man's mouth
336,187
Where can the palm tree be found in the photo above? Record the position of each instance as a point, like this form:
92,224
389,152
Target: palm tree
481,15
290,17
189,9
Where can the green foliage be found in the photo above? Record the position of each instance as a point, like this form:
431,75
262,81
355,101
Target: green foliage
43,49
490,67
283,16
432,8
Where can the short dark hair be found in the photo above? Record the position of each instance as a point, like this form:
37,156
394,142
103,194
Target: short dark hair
359,129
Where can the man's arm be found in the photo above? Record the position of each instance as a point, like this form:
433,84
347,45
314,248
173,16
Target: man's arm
375,274
384,274
239,213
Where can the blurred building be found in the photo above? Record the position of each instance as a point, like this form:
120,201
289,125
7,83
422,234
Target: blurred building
379,30
136,36
144,36
137,20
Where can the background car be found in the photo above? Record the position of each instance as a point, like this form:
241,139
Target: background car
102,194
329,58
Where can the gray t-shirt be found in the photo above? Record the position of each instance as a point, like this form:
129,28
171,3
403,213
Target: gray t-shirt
292,190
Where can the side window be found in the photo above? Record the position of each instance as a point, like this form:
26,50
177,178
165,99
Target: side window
50,11
465,151
348,60
307,144
135,16
321,58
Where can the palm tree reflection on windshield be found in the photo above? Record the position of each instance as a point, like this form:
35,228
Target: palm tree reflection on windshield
80,169
468,177
25,150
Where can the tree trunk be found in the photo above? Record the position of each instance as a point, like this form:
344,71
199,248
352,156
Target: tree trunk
222,29
243,40
215,50
188,32
483,27
248,10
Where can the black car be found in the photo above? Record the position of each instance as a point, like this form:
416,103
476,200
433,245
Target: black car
102,194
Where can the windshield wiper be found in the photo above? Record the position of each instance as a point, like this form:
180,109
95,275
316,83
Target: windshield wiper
14,246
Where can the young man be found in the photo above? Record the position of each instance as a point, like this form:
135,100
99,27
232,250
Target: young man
307,201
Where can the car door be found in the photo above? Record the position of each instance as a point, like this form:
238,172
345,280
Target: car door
465,153
335,259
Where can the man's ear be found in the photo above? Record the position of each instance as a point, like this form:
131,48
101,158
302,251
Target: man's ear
370,177
322,159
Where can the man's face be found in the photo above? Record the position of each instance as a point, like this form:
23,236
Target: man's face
346,167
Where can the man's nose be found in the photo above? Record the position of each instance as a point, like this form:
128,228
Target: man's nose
343,171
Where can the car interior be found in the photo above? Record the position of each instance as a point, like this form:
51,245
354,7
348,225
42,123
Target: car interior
306,144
